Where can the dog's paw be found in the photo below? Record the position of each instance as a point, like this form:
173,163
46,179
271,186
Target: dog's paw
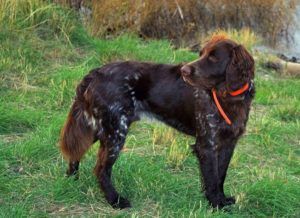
220,202
229,200
72,173
120,203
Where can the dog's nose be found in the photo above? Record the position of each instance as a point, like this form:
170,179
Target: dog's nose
186,70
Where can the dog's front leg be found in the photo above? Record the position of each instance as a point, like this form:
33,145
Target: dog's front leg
206,146
207,155
225,154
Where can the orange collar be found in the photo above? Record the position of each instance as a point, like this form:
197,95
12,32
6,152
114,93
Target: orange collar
240,91
234,93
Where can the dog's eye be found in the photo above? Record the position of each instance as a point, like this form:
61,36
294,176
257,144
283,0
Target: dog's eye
200,53
212,58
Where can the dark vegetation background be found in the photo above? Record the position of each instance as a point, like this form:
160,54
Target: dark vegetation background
186,21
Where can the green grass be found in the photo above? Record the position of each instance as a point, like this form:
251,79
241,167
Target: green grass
39,70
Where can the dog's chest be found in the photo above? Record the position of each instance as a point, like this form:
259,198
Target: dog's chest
210,124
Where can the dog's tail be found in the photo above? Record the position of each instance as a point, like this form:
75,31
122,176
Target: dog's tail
77,135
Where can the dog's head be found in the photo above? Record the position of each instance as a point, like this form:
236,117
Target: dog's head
222,62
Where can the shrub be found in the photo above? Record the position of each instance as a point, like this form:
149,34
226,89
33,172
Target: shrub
192,19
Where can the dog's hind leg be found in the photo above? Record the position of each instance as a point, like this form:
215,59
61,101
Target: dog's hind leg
73,168
112,141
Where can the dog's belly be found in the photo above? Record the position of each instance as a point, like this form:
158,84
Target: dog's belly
184,123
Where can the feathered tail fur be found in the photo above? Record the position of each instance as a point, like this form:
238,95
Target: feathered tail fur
77,134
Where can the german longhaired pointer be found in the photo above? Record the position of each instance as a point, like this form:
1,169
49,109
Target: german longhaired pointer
208,98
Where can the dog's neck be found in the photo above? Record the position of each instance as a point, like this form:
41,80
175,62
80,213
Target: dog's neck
236,108
237,95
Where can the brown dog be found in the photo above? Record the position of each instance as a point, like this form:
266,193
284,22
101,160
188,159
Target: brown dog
208,98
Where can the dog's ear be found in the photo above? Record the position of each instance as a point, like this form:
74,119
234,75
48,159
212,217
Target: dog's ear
240,70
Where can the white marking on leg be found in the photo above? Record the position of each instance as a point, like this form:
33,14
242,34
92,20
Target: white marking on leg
91,121
86,115
95,110
123,122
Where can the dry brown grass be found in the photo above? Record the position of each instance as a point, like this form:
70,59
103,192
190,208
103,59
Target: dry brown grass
244,36
191,19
